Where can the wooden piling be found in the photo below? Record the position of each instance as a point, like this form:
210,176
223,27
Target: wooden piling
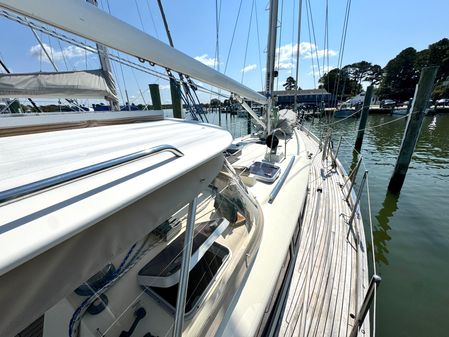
363,118
155,96
175,98
413,128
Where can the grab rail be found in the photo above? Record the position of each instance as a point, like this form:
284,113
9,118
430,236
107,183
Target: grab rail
281,181
36,186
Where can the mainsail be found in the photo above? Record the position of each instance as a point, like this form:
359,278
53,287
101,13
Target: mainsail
68,84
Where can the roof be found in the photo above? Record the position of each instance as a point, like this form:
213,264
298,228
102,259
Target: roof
301,92
35,223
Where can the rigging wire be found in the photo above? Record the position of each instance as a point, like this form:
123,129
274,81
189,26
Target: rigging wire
185,84
280,43
247,41
217,39
152,19
342,49
293,31
298,46
138,86
88,48
50,50
310,39
63,54
258,46
233,35
314,39
140,15
326,42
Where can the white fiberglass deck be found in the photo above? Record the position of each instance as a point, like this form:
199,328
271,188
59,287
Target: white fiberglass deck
280,223
330,275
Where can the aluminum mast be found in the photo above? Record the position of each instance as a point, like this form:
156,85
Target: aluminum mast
271,56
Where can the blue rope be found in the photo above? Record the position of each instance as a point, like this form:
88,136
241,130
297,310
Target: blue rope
84,303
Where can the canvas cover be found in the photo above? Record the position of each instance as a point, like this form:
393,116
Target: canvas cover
96,84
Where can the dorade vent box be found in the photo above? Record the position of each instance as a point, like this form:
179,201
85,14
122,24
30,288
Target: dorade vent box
160,276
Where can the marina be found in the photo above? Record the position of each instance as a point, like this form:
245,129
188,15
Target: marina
200,234
224,210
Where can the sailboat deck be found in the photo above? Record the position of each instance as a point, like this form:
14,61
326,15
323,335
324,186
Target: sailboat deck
330,274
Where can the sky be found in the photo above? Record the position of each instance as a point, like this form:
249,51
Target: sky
377,31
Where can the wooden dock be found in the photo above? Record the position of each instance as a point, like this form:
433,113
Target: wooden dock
330,276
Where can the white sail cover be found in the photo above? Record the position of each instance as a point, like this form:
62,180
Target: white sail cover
68,84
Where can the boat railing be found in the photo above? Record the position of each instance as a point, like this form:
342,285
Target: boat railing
36,186
366,302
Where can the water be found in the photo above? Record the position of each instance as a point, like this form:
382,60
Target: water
237,126
411,231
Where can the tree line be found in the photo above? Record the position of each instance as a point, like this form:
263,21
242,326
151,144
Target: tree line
397,80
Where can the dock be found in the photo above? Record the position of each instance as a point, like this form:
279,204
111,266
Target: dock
330,276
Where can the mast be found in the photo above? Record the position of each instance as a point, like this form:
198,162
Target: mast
89,22
106,67
271,56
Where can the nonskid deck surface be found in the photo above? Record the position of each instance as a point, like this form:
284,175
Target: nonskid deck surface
325,288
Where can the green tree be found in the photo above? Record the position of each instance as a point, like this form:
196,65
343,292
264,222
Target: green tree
290,84
358,71
400,76
364,71
374,75
215,102
438,54
338,81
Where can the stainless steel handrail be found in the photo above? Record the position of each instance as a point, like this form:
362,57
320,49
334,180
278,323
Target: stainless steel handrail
184,272
369,297
39,185
281,181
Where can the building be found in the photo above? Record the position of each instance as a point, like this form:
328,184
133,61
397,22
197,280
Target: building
308,97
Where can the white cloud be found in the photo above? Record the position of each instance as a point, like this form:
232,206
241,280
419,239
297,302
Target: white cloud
307,50
165,87
209,61
249,67
285,65
68,52
322,70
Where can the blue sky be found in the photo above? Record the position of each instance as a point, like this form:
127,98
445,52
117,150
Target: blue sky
378,30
